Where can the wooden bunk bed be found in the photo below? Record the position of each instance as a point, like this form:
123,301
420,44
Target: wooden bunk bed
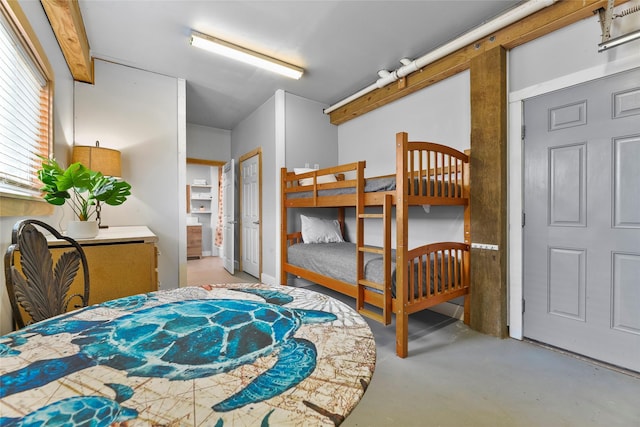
426,174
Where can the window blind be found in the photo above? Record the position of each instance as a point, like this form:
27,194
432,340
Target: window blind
24,113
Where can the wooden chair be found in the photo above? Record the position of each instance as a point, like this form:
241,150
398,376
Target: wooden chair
38,289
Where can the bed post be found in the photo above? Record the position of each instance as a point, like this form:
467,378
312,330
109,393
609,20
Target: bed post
466,192
402,208
283,226
360,239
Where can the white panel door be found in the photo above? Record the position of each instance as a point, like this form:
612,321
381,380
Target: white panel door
250,216
582,223
228,216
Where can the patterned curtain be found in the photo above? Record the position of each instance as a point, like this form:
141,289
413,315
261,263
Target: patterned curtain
218,237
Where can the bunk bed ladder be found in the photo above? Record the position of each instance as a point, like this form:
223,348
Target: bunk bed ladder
385,287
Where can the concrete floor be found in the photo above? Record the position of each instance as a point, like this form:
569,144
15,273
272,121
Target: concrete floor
457,377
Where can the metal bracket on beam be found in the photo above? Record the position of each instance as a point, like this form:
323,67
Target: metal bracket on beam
606,17
484,246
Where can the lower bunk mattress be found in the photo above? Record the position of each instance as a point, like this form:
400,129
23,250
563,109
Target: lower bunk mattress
338,261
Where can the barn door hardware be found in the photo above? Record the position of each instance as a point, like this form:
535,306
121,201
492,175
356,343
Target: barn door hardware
606,18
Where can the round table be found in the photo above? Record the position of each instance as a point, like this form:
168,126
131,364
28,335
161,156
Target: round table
234,354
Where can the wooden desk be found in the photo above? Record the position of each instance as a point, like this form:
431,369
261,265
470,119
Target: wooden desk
237,354
122,261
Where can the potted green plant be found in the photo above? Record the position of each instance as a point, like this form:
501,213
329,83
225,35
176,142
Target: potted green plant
83,189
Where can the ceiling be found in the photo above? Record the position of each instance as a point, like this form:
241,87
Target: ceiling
340,44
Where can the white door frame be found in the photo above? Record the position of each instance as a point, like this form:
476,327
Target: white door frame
516,181
250,154
228,218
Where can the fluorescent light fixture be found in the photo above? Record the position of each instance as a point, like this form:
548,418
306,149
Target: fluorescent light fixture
242,54
619,40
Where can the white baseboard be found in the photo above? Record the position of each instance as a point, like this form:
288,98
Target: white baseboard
268,280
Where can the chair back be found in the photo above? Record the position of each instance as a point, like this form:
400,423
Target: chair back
37,288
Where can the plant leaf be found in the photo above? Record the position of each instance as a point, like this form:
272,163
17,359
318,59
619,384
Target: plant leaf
76,177
116,194
82,187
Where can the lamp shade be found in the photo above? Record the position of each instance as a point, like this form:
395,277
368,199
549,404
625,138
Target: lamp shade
104,160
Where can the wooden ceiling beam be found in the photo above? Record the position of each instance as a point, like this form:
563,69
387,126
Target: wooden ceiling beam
66,21
536,25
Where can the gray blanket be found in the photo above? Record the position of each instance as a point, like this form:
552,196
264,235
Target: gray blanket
383,184
338,261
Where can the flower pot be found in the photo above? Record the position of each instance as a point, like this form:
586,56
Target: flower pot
82,229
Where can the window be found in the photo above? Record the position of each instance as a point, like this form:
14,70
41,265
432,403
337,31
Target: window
26,83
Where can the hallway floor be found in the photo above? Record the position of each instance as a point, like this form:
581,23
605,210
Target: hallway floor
458,377
210,269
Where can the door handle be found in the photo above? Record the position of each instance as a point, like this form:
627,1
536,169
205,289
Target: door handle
232,222
256,222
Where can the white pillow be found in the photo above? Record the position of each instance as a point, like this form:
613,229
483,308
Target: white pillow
322,179
298,171
318,230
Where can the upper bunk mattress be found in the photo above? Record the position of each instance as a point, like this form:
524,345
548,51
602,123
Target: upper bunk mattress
373,185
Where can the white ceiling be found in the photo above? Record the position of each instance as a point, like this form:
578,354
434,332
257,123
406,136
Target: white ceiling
340,44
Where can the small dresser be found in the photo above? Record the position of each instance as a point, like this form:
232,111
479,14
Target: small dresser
194,241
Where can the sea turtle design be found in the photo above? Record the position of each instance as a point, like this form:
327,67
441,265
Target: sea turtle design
191,339
80,410
60,324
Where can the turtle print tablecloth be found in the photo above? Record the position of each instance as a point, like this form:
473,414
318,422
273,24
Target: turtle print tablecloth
216,355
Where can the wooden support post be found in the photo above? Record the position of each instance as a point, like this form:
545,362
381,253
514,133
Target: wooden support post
489,191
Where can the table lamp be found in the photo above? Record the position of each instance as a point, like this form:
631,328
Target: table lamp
104,160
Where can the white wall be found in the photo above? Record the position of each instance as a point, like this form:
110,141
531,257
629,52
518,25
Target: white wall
570,50
440,113
208,143
62,128
258,130
137,112
564,58
310,137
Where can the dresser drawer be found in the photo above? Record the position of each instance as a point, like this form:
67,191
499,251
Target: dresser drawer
194,241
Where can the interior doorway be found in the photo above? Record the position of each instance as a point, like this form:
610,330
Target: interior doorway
204,235
250,233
